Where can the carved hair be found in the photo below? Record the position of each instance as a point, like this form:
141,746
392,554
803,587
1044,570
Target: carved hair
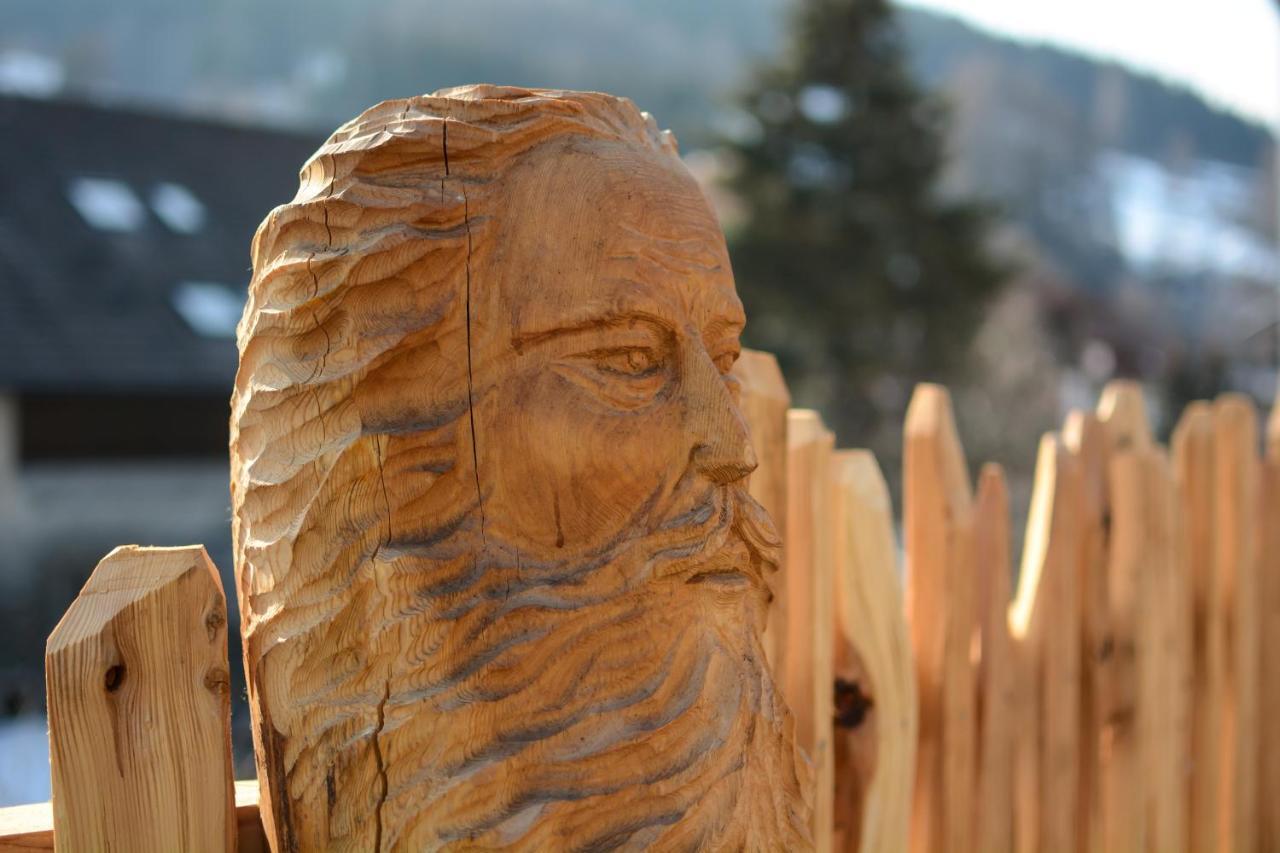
362,611
370,256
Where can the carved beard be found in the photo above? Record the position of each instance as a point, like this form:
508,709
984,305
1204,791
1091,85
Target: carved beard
613,701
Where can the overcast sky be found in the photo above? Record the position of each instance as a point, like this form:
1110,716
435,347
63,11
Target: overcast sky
1228,50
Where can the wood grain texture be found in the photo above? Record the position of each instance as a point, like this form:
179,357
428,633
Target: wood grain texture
139,707
1045,624
1269,581
502,582
806,668
250,836
1122,779
1192,448
1235,568
997,667
28,827
1088,441
938,518
1164,702
1026,754
24,828
875,682
1147,734
765,401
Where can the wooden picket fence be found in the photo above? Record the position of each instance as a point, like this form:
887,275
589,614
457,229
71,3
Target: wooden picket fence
1125,697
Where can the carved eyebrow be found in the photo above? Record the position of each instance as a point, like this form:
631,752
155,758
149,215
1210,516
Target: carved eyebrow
522,339
721,327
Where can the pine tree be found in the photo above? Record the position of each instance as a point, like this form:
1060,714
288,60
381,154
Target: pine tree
853,269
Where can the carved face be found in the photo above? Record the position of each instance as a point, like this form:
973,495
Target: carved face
611,350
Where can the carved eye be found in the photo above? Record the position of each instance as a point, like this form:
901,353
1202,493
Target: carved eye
635,362
627,373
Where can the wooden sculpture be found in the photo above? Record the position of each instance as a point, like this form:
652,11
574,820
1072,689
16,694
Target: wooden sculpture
765,400
502,584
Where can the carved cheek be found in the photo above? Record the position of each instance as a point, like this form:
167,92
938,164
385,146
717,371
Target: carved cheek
569,473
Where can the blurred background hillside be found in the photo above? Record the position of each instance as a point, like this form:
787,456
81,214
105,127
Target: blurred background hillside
907,197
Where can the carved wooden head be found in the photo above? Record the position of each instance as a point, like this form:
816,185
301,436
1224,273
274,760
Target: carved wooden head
501,581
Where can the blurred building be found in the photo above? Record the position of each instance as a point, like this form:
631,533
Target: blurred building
124,258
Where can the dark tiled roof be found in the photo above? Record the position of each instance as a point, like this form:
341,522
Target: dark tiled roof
85,309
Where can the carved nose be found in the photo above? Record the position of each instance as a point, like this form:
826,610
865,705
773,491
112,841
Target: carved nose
724,466
722,449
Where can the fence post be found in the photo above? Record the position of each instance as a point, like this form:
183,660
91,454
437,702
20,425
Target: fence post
1121,780
1124,411
996,668
875,683
1086,437
139,707
1269,576
805,665
1045,622
938,517
1193,472
1235,569
1164,702
764,401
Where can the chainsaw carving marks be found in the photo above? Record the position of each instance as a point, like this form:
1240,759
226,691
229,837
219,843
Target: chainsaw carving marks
502,583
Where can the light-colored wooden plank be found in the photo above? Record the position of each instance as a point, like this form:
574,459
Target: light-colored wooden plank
1087,439
25,828
959,696
1045,622
1236,570
1123,409
250,835
1026,739
1121,780
1269,579
1193,473
764,401
875,684
1164,700
139,707
1147,691
938,517
996,665
805,667
28,827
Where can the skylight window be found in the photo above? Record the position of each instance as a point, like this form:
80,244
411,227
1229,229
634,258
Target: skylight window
106,204
211,310
178,208
25,72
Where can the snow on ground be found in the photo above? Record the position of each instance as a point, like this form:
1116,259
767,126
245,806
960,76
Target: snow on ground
1188,221
24,760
